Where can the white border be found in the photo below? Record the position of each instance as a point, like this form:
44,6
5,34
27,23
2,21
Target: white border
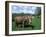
28,31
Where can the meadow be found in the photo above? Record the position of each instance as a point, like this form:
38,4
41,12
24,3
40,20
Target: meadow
36,22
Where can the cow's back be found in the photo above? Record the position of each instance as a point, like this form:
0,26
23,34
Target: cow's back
19,19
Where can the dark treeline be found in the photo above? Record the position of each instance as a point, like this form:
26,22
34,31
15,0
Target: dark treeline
21,14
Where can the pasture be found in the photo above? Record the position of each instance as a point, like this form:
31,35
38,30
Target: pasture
36,23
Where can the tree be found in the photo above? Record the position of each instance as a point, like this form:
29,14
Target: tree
38,11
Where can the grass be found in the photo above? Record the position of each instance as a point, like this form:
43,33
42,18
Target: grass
36,22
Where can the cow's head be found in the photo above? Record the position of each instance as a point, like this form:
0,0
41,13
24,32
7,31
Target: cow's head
30,19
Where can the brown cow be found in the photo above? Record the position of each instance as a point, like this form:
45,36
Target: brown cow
22,20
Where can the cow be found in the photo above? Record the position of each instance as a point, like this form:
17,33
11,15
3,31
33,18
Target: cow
23,21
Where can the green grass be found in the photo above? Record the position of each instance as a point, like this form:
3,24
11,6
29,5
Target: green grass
36,22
